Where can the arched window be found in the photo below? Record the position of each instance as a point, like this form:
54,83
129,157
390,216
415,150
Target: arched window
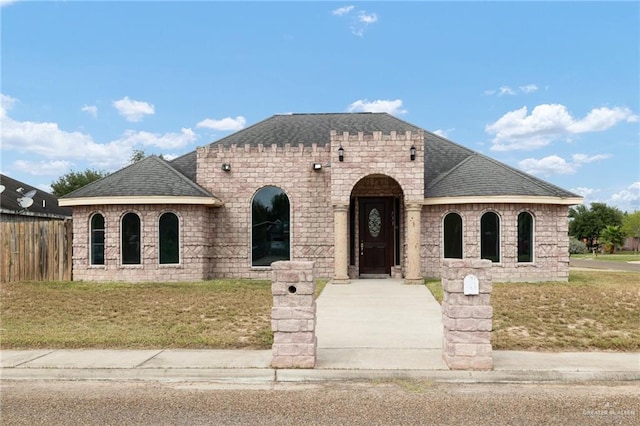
168,237
525,237
97,239
130,239
453,236
270,226
490,237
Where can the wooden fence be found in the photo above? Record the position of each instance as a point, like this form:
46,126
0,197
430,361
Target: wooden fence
36,250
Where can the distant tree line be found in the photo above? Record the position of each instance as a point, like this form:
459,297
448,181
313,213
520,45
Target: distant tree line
603,226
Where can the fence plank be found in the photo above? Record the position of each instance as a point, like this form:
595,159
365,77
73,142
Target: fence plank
36,250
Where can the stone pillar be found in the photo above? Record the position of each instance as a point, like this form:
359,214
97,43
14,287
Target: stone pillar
341,244
414,268
293,316
467,314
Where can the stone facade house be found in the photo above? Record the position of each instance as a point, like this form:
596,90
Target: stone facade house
362,195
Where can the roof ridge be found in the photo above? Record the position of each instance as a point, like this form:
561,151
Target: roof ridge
180,175
448,172
245,129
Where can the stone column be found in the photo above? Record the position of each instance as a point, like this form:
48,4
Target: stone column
341,244
293,316
467,314
414,268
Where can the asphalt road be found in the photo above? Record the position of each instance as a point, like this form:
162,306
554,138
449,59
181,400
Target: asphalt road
598,264
373,403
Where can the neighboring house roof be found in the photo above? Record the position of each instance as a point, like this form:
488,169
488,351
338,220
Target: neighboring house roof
44,204
151,180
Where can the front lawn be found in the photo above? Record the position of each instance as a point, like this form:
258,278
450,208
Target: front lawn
595,310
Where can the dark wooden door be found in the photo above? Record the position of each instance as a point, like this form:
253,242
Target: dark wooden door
375,235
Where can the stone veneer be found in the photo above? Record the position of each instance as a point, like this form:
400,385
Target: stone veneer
293,316
550,247
195,245
467,319
216,242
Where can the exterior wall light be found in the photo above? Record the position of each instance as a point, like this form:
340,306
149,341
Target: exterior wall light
317,166
412,152
226,167
341,153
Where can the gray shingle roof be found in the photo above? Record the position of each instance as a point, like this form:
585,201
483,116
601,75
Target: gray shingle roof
451,170
307,129
151,176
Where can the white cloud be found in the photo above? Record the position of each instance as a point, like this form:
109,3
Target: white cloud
506,90
43,168
555,165
529,88
6,103
366,18
520,130
133,110
547,166
392,107
628,199
225,124
584,191
6,2
443,133
92,110
342,10
164,141
49,141
584,158
359,22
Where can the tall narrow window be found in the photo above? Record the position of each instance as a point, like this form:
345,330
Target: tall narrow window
169,238
270,226
453,236
130,239
525,237
97,239
490,237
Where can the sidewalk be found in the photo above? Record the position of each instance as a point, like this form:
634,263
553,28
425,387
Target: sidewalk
240,366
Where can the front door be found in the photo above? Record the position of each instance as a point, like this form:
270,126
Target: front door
375,235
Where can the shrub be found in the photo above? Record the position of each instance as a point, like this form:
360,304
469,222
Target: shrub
576,246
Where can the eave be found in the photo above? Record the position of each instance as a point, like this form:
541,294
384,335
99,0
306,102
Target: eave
154,199
504,199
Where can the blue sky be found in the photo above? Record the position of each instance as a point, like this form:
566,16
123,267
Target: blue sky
549,88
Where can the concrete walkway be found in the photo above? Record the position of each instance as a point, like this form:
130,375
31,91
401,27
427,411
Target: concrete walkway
604,265
379,324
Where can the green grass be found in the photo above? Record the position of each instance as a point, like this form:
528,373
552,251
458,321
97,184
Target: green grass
616,257
595,310
216,314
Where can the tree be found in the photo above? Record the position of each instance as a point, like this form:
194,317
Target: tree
136,156
612,236
588,223
73,180
631,228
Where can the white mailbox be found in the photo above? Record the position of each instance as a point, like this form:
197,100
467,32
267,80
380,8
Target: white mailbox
471,285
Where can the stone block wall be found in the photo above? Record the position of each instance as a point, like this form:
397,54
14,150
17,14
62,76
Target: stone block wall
550,247
252,168
293,316
467,319
195,244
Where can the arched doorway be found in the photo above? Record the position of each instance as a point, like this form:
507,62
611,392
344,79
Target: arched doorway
375,237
